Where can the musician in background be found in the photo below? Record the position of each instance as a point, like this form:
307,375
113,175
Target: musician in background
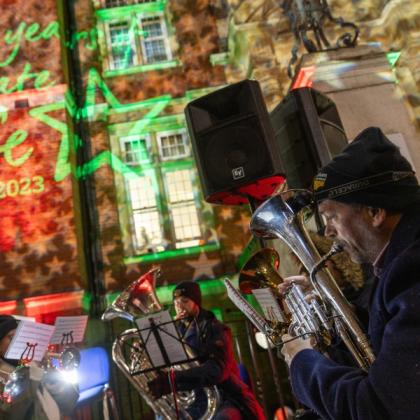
8,326
57,396
212,342
370,201
22,404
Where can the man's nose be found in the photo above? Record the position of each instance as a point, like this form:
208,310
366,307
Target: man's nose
329,231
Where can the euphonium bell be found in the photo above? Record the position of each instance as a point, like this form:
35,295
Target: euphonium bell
260,271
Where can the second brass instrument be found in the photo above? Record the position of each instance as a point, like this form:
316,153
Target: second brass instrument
138,300
301,314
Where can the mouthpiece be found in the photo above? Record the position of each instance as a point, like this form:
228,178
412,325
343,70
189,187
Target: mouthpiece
336,248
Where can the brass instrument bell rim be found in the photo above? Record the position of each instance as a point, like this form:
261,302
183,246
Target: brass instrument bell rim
249,277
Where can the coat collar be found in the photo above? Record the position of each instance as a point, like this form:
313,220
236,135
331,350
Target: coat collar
406,232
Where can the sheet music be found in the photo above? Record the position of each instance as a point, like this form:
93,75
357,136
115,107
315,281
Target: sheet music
269,304
167,333
67,327
24,318
33,333
258,321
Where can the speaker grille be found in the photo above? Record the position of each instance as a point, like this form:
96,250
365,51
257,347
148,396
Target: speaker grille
233,143
233,154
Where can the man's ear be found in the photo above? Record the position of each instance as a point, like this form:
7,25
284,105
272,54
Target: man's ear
378,216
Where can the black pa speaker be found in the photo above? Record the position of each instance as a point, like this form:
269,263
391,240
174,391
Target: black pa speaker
233,140
310,133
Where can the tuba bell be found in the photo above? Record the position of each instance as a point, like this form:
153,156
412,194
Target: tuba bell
283,217
138,300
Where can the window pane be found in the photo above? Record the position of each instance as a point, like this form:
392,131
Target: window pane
121,48
185,222
141,193
152,27
146,217
148,230
173,146
179,186
155,51
135,150
154,47
115,3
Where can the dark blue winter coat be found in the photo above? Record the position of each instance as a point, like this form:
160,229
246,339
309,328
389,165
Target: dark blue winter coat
391,388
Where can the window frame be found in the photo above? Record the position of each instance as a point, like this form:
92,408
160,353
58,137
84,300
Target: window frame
151,174
134,248
111,60
138,40
186,142
164,36
102,3
147,138
194,200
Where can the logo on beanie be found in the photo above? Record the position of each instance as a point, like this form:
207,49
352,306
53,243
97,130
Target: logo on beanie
319,181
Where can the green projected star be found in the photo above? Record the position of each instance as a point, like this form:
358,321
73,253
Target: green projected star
88,111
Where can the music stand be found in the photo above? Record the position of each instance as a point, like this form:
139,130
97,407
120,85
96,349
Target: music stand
161,343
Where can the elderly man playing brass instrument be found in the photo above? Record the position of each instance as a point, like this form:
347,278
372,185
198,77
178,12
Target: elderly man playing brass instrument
212,341
370,201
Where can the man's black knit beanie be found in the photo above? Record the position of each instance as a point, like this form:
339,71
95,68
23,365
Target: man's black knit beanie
370,171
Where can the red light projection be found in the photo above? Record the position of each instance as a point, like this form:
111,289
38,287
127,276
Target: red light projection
37,239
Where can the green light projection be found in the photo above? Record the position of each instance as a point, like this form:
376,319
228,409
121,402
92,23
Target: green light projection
16,155
88,111
32,33
20,146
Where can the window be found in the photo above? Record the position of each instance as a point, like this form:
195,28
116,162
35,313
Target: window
146,217
182,207
118,3
121,42
163,192
138,39
136,149
173,145
154,40
115,3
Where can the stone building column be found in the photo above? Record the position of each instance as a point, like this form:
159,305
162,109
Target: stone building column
362,83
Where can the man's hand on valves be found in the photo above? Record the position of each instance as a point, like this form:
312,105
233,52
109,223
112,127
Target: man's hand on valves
292,346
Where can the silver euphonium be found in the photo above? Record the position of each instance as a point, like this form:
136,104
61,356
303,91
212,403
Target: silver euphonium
283,217
138,300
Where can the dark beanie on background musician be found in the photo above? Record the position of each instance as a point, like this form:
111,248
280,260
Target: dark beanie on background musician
370,171
188,289
7,324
